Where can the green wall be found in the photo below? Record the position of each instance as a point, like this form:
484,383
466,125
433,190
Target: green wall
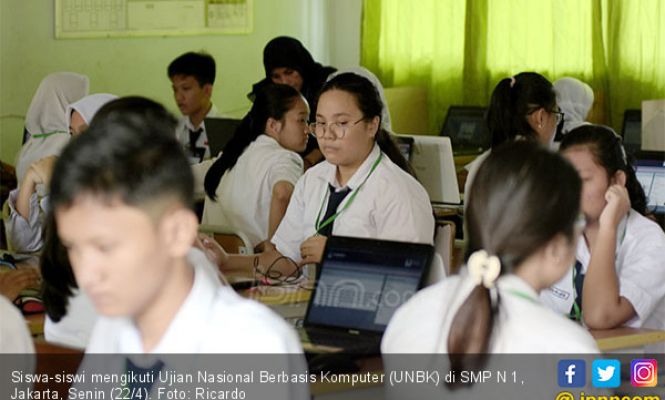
28,52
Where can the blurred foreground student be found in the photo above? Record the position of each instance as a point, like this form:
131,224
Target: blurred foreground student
619,277
122,198
249,186
523,228
70,314
362,189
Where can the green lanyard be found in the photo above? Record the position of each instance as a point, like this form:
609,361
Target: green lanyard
320,225
522,295
47,134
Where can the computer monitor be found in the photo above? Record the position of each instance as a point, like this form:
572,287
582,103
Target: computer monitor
650,171
432,160
632,130
220,131
467,129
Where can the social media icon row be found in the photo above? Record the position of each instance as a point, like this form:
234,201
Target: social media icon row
607,373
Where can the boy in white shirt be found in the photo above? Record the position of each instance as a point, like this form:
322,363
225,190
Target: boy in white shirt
192,78
122,198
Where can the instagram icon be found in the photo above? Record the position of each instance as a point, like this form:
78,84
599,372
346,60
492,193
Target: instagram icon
644,373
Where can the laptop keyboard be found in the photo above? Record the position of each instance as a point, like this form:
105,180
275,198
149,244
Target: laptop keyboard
346,341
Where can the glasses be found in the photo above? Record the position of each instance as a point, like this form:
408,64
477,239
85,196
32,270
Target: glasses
337,129
559,116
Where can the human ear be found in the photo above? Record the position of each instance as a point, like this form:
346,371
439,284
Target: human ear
273,127
619,178
207,90
179,229
374,126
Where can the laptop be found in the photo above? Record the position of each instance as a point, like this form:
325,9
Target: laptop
360,284
220,131
467,130
432,160
632,131
650,172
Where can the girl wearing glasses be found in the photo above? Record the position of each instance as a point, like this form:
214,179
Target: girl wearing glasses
362,189
620,274
522,236
250,185
521,107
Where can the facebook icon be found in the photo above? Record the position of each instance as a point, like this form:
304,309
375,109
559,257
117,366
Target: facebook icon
572,373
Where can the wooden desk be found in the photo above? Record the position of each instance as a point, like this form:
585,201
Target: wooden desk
626,338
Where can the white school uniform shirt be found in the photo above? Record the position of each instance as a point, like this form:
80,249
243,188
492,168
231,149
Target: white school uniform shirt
391,205
185,125
523,325
244,193
640,269
75,327
213,319
419,329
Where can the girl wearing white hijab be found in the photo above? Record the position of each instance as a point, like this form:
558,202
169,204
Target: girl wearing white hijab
28,203
46,122
575,99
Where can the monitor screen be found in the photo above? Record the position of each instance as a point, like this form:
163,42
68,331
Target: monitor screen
467,129
651,174
356,289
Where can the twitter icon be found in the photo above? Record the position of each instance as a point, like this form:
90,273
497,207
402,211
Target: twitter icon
606,373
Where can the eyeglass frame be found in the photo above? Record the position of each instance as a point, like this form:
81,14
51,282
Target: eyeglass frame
344,126
560,116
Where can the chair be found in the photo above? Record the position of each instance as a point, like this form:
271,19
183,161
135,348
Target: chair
444,244
231,240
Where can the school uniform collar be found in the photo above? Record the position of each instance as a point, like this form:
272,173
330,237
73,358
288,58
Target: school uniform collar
514,286
211,112
184,334
267,139
330,175
583,252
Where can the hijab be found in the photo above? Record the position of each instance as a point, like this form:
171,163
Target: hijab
575,99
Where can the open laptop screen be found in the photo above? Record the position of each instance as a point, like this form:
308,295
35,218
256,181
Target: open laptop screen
650,171
362,282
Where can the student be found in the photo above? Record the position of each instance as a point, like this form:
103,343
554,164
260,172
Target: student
250,185
522,107
360,190
28,203
575,99
287,61
46,122
192,78
522,236
70,314
122,196
619,277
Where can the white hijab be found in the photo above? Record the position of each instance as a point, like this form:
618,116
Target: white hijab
365,73
575,99
88,106
47,110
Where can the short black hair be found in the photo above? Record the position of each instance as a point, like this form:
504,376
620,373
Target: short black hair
131,156
200,65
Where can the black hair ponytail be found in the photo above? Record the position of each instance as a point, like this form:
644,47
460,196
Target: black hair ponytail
272,101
